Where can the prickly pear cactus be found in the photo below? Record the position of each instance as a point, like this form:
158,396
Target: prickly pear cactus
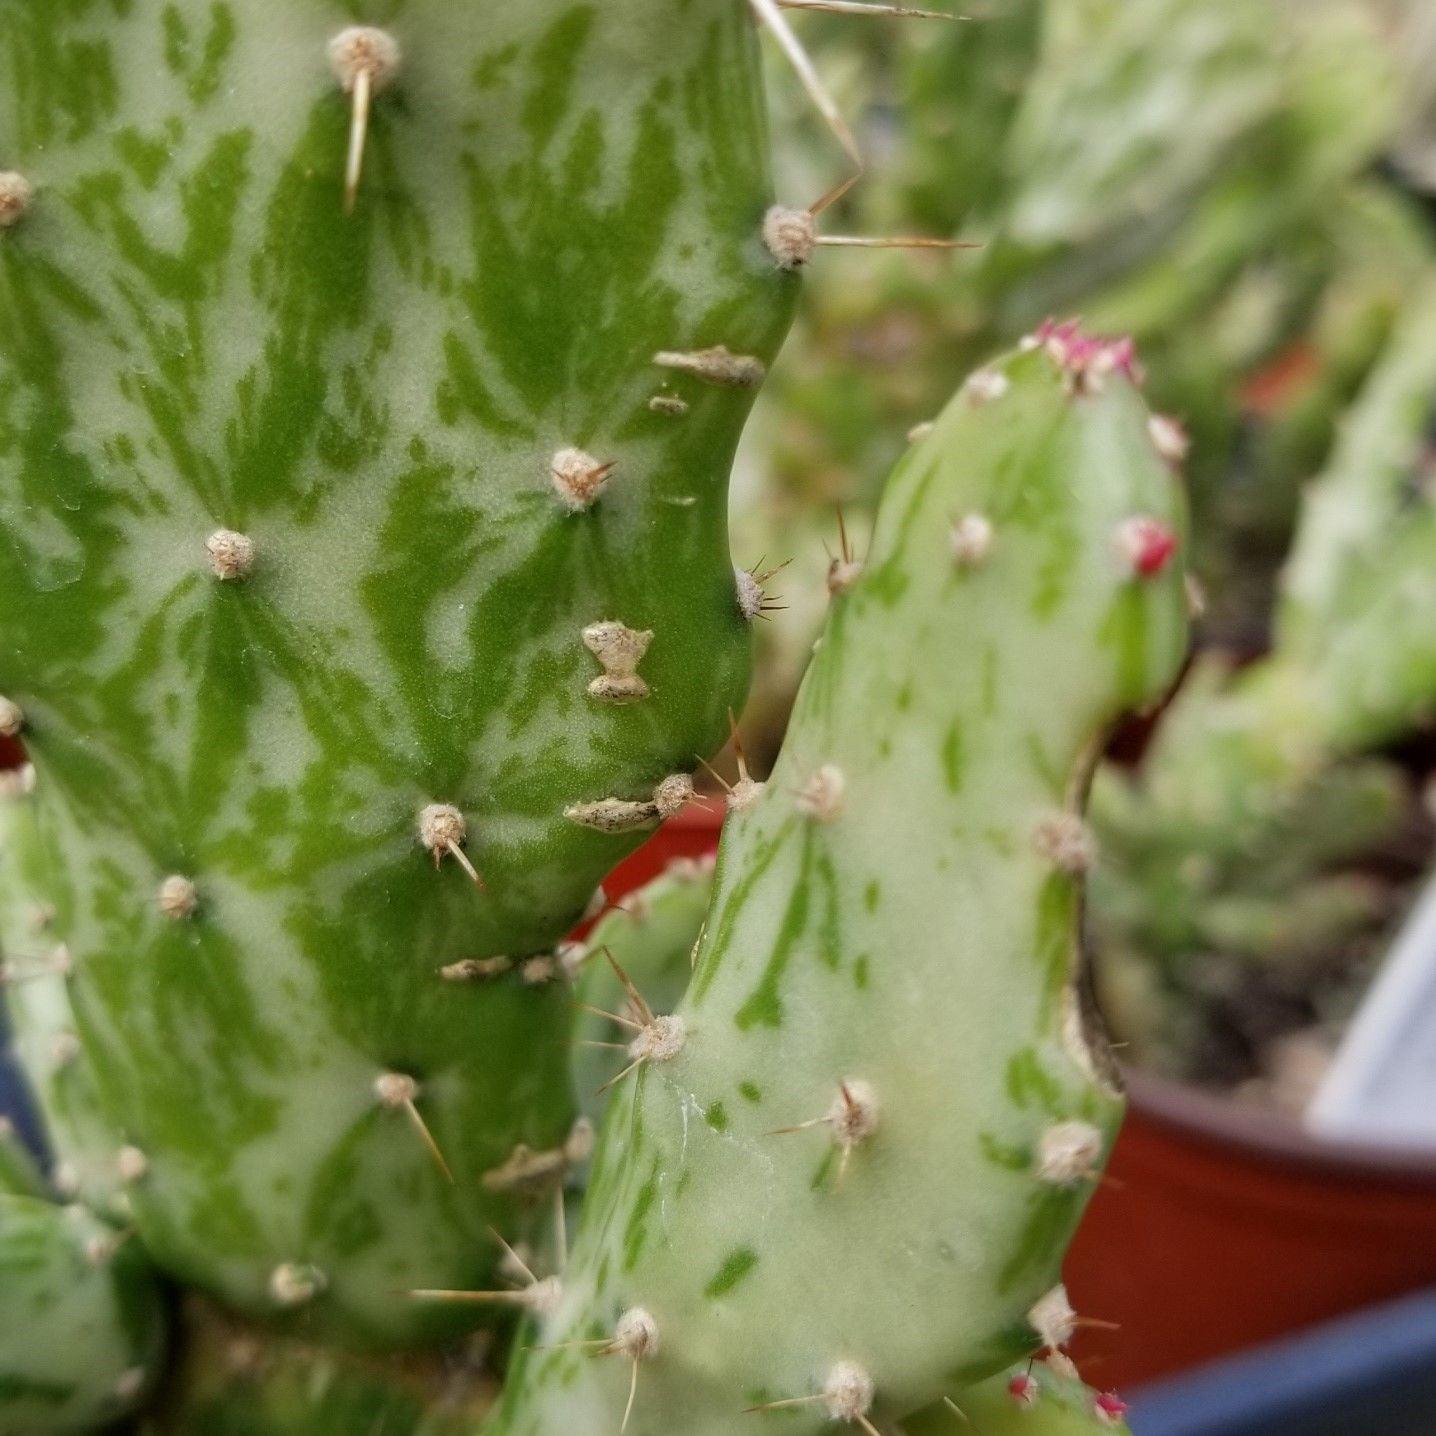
81,1323
368,398
881,1103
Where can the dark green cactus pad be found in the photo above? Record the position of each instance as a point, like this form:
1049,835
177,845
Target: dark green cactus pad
303,519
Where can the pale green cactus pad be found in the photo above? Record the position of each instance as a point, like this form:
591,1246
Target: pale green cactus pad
842,1174
81,1322
339,551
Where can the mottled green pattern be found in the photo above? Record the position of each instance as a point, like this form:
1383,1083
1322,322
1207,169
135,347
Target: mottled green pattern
195,338
913,940
81,1325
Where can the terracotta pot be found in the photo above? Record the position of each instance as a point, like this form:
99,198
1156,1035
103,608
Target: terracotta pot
1219,1226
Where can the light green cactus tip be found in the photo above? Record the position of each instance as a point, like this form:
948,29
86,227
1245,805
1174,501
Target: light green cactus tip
369,397
81,1320
1043,1398
839,1177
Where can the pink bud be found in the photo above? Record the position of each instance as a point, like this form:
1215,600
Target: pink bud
1023,1388
1109,1407
1146,544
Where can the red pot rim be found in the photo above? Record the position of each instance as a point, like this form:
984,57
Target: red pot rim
1271,1139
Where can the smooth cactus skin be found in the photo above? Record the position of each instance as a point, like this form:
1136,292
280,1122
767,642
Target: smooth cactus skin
200,348
81,1321
899,913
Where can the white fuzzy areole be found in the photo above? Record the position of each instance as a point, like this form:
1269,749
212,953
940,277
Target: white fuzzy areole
636,1335
1069,1152
231,554
986,385
1066,842
1053,1319
395,1089
177,897
578,478
442,826
821,797
660,1041
16,192
971,540
1169,438
362,49
131,1165
673,794
853,1115
790,235
848,1392
295,1283
11,718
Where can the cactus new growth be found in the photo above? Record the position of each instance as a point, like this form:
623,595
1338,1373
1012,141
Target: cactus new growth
371,378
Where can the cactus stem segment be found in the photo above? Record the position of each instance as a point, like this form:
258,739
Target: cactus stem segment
177,898
619,650
364,60
821,797
443,829
11,718
398,1091
294,1284
1066,842
971,540
579,478
847,1394
16,192
718,365
231,554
